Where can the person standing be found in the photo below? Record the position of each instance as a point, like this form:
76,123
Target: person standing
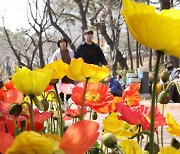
90,52
66,54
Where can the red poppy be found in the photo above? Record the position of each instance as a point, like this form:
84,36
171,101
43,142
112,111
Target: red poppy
39,119
72,113
109,107
139,115
97,95
66,88
6,140
80,137
9,94
131,94
159,119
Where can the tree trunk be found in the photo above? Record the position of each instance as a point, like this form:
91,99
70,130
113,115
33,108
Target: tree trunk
140,56
129,49
150,60
41,56
137,55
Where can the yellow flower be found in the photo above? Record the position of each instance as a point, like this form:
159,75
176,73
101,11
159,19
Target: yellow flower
174,127
169,150
59,68
130,146
157,30
79,71
31,143
31,82
120,128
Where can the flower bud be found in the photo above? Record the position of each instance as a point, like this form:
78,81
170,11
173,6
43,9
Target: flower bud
147,148
165,76
164,97
54,81
158,88
94,116
175,143
109,140
15,109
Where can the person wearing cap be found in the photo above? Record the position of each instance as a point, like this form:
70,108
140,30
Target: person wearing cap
66,54
90,52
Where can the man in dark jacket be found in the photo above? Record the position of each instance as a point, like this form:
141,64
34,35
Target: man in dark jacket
90,52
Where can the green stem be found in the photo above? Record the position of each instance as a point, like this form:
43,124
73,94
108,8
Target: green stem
119,149
60,109
159,54
31,113
140,133
90,114
162,127
83,98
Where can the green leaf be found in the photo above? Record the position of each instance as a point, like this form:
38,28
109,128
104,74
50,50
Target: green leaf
45,103
38,103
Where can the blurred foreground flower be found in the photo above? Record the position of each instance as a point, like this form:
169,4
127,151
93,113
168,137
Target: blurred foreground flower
80,71
6,140
31,82
79,137
156,30
31,142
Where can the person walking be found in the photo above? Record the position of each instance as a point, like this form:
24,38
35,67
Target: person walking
90,52
66,54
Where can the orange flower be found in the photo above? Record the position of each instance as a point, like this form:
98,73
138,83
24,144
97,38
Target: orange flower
73,113
80,137
6,140
109,107
131,94
97,95
9,94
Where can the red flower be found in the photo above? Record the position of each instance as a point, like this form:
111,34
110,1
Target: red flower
39,119
159,120
97,95
6,140
79,137
7,123
139,115
9,94
72,113
131,94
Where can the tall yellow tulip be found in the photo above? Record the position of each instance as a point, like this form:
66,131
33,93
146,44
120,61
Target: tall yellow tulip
31,82
157,30
58,67
80,71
